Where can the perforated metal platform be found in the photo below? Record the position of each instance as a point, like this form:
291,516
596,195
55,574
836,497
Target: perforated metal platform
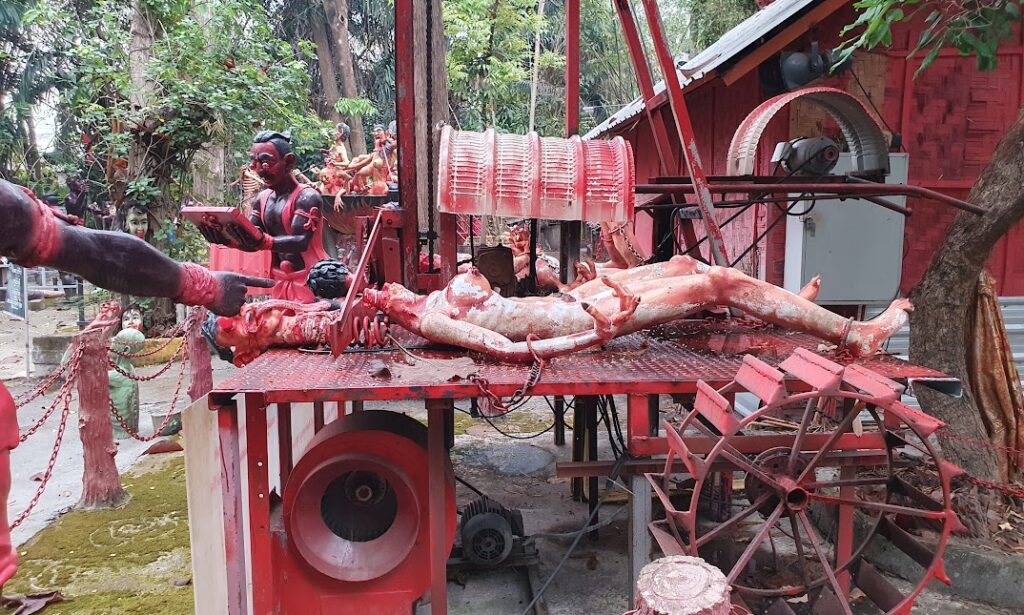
667,360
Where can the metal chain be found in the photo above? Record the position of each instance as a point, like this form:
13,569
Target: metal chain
65,389
629,244
167,417
519,395
49,466
949,435
42,388
1010,490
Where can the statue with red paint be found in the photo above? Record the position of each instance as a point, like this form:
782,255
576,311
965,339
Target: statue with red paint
286,216
34,235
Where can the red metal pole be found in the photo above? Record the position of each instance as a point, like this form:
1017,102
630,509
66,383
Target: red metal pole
405,104
684,127
259,502
572,67
231,494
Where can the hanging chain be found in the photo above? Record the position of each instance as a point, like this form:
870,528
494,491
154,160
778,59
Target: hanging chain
1010,490
520,394
65,390
41,390
629,244
182,356
50,465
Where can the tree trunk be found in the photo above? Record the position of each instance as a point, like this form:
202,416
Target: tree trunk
328,77
337,16
946,293
101,484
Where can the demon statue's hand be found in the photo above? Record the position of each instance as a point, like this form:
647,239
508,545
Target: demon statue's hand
232,292
247,241
608,327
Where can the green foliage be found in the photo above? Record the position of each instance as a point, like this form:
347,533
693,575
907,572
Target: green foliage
710,19
210,78
972,28
489,60
359,107
183,240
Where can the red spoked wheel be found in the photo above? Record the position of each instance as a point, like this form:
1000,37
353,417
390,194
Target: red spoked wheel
828,474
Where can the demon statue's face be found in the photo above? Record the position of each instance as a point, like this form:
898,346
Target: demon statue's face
136,222
270,164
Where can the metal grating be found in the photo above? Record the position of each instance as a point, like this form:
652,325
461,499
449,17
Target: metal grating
667,360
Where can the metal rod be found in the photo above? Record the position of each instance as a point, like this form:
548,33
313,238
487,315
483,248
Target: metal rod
684,129
822,187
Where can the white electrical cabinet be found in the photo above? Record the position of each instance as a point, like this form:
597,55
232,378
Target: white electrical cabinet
855,245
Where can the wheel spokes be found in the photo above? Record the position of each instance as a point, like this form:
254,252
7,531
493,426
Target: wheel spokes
740,516
755,542
812,536
879,506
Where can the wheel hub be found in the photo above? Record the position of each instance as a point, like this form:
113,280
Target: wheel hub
774,462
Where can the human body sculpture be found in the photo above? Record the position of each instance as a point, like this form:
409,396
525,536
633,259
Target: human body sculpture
287,218
468,313
34,236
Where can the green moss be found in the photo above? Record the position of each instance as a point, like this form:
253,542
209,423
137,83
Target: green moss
124,560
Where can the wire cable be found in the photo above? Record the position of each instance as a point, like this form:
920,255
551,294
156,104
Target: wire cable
614,474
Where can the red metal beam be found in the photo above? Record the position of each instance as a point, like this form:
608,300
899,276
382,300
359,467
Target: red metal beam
755,444
405,103
684,129
572,67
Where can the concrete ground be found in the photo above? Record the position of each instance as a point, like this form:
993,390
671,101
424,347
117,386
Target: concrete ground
517,473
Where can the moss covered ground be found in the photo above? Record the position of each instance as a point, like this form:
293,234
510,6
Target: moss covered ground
133,559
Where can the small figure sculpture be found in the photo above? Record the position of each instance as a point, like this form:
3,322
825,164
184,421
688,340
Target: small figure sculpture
124,391
335,176
468,313
131,318
34,236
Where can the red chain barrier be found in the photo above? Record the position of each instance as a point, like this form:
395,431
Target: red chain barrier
181,355
65,395
1010,490
65,390
949,435
42,388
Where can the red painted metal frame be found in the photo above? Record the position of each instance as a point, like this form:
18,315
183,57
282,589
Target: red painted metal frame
666,156
405,106
256,490
684,129
817,188
572,67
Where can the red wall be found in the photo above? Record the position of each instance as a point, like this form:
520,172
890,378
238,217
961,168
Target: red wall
951,118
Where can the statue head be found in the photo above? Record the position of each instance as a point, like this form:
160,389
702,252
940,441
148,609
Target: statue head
136,221
393,129
271,157
342,132
132,318
378,132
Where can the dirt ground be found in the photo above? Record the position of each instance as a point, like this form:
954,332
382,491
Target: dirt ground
136,559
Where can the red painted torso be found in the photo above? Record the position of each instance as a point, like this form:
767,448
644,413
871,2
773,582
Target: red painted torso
8,420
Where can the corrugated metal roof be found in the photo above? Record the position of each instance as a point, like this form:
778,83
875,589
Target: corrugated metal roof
732,44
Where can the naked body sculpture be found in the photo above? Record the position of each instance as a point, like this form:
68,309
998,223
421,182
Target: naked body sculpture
34,235
468,313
